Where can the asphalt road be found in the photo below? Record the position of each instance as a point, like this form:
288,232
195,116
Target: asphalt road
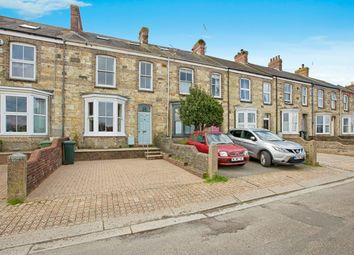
320,222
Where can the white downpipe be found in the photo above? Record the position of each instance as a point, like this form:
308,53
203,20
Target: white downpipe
168,98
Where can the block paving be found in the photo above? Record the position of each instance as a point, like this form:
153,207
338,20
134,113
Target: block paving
90,191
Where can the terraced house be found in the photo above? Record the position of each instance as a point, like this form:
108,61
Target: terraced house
105,91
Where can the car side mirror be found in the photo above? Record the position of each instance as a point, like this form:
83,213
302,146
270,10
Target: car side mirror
253,138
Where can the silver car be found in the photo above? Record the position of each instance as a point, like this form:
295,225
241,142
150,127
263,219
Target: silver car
267,146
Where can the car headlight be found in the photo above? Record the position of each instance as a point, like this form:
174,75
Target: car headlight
245,153
280,149
223,153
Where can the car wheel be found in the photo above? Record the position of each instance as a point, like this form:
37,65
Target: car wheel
266,159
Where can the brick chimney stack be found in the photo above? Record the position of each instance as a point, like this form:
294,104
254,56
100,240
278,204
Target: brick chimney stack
242,57
75,18
144,35
199,47
276,63
303,71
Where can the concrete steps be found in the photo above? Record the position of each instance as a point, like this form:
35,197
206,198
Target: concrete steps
153,154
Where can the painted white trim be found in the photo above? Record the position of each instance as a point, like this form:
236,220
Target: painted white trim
22,61
220,84
290,80
29,36
250,90
152,76
104,98
324,123
29,114
114,85
179,79
25,90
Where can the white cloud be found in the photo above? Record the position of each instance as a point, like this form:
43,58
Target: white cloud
38,8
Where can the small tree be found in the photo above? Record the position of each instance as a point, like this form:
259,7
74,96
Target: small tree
201,110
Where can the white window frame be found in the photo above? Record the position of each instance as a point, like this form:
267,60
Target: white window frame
269,92
304,97
30,94
320,98
267,116
293,118
114,72
95,99
290,93
179,78
346,103
245,111
34,62
324,124
218,76
249,90
350,125
333,100
151,76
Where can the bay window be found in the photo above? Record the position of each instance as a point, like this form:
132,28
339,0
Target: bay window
323,124
104,115
23,111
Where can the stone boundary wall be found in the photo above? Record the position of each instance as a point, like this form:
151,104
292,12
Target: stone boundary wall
191,159
43,162
309,146
106,154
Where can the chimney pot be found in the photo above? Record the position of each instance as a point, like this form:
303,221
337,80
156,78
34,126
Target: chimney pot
303,71
241,57
75,18
199,47
144,35
276,63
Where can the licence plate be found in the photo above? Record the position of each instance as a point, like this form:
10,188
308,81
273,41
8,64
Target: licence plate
299,156
237,159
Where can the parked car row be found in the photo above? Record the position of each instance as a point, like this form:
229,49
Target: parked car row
239,144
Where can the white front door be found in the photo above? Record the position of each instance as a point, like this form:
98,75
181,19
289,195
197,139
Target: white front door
144,125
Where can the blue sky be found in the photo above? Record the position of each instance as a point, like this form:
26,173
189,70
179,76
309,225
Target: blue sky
319,34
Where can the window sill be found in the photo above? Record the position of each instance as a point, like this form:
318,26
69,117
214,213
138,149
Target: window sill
22,79
245,101
22,134
146,90
219,98
105,87
184,94
290,133
105,135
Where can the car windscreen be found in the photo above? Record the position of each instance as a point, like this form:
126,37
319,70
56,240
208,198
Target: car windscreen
218,139
267,136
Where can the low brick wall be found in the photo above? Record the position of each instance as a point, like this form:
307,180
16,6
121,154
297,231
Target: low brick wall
43,162
190,157
102,154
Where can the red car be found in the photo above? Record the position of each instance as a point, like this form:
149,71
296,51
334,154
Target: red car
228,152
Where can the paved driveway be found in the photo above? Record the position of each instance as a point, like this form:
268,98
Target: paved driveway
253,167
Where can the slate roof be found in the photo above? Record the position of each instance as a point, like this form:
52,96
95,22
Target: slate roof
54,32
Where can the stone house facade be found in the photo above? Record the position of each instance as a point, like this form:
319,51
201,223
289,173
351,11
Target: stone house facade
107,93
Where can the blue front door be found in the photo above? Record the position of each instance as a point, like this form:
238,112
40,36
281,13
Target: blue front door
144,125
